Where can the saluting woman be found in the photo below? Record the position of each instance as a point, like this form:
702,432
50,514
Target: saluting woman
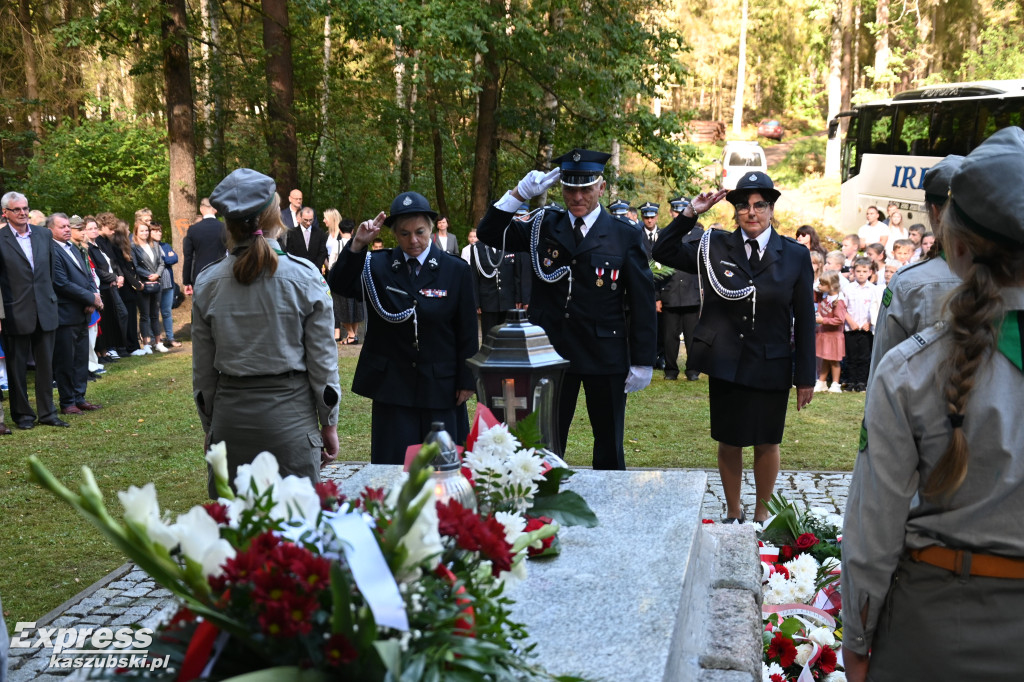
420,328
933,548
757,294
264,363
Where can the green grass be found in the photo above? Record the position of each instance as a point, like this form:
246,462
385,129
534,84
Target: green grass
148,431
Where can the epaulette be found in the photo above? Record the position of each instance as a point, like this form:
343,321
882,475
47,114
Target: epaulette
555,208
790,239
623,219
917,342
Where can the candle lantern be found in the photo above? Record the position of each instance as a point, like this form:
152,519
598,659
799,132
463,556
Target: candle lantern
519,372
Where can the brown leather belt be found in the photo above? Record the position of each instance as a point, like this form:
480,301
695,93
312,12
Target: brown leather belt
985,565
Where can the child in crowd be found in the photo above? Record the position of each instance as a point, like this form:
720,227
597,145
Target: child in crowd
915,233
902,251
862,303
851,242
927,240
818,265
876,254
890,270
830,344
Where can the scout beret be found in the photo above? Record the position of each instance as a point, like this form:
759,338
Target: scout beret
985,190
755,181
408,203
582,167
243,194
936,179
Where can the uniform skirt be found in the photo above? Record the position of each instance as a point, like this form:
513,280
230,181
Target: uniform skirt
742,415
276,414
936,625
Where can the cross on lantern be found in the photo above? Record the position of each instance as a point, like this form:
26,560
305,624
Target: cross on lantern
508,399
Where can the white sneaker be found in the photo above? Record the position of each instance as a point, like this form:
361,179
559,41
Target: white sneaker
160,347
820,387
138,353
835,388
148,349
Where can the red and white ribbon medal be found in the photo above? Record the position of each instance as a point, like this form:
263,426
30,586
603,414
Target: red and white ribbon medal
615,278
600,274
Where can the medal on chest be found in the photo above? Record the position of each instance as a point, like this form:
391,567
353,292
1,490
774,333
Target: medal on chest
600,275
615,279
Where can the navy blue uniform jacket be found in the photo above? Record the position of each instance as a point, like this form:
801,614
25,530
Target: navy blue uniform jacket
590,329
390,369
733,341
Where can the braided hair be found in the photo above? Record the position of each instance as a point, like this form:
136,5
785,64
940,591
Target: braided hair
974,311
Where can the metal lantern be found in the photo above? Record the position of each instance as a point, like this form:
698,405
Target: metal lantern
449,483
519,372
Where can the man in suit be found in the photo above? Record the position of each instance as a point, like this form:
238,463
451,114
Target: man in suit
30,303
307,240
77,298
604,259
679,304
292,213
204,243
757,294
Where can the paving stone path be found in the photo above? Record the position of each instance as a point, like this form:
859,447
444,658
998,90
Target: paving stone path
129,596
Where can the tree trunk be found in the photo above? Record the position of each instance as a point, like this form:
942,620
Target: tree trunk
846,67
438,143
882,43
833,148
408,131
741,74
399,91
28,51
545,141
325,97
486,129
181,198
281,142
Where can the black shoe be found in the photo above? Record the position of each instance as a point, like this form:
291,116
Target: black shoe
733,519
692,376
659,363
56,422
107,360
671,377
26,425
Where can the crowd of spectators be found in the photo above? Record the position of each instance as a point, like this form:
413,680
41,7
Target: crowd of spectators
78,293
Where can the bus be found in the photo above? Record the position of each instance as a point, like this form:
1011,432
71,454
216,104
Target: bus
890,144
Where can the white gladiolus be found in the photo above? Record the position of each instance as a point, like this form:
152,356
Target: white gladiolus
217,457
140,504
822,637
162,534
196,531
215,556
423,539
296,498
263,472
803,653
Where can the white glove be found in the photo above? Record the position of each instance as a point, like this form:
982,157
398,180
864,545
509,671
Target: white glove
638,378
537,182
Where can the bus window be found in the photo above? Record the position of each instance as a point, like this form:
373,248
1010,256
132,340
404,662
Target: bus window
913,125
994,115
872,131
953,128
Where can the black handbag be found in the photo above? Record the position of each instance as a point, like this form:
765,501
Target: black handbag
179,297
151,287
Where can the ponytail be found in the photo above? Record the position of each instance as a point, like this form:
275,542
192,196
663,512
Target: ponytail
255,258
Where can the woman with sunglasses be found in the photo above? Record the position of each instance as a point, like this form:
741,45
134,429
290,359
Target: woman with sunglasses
756,287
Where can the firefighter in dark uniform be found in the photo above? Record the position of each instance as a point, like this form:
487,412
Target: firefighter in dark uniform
757,296
420,329
495,283
679,297
587,266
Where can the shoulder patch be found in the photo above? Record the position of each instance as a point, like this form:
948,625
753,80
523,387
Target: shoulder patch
920,340
863,437
887,297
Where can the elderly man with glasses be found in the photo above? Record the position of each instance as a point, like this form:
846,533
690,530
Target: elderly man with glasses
757,287
30,306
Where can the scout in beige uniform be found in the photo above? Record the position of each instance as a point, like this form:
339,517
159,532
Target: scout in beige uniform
264,363
933,546
913,299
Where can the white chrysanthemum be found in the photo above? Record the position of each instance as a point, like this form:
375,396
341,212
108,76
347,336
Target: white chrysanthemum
820,512
482,459
524,467
835,520
804,567
837,676
514,525
822,637
768,670
803,653
498,440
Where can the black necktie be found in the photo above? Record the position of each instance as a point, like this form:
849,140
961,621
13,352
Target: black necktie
578,231
414,267
755,257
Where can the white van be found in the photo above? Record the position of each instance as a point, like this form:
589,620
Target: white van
739,158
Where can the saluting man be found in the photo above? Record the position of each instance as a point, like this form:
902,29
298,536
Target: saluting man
590,265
